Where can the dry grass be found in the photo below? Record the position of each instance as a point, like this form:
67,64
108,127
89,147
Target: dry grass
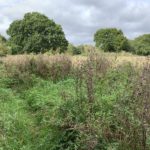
134,60
54,67
116,59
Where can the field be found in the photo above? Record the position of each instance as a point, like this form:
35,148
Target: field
118,58
62,102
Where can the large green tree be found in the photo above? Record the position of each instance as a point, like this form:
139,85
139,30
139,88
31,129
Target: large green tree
111,40
36,33
141,45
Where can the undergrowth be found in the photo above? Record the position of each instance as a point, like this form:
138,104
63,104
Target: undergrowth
92,106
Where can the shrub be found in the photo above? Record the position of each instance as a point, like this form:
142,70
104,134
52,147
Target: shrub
75,50
4,49
141,45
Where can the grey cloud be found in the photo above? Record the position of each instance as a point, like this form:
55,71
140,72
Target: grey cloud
81,18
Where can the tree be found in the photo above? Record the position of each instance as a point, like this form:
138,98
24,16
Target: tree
141,45
111,40
36,33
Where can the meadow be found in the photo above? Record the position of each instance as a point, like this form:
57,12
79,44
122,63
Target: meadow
99,101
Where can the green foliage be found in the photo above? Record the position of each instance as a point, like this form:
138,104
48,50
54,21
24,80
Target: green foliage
141,45
15,124
79,50
111,40
43,100
98,107
4,49
2,39
75,50
36,33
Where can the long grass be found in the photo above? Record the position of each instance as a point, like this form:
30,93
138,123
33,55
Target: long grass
61,102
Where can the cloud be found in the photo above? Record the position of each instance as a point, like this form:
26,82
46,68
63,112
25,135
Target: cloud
81,18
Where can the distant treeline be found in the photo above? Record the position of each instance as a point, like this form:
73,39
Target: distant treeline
36,33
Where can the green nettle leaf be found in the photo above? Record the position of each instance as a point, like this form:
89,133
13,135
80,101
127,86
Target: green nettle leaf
36,33
111,40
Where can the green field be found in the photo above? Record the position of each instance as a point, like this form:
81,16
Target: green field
49,103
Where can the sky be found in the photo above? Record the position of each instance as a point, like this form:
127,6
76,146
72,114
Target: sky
80,19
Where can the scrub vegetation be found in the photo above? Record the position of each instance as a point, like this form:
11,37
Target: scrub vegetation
88,98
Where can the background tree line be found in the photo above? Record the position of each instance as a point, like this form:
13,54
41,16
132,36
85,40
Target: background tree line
36,33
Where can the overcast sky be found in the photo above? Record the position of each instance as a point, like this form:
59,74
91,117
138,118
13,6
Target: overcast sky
81,18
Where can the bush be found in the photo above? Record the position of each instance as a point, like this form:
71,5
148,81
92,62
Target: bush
141,45
75,50
4,49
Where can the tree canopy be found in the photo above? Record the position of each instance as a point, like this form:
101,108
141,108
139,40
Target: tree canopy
141,45
36,33
111,40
